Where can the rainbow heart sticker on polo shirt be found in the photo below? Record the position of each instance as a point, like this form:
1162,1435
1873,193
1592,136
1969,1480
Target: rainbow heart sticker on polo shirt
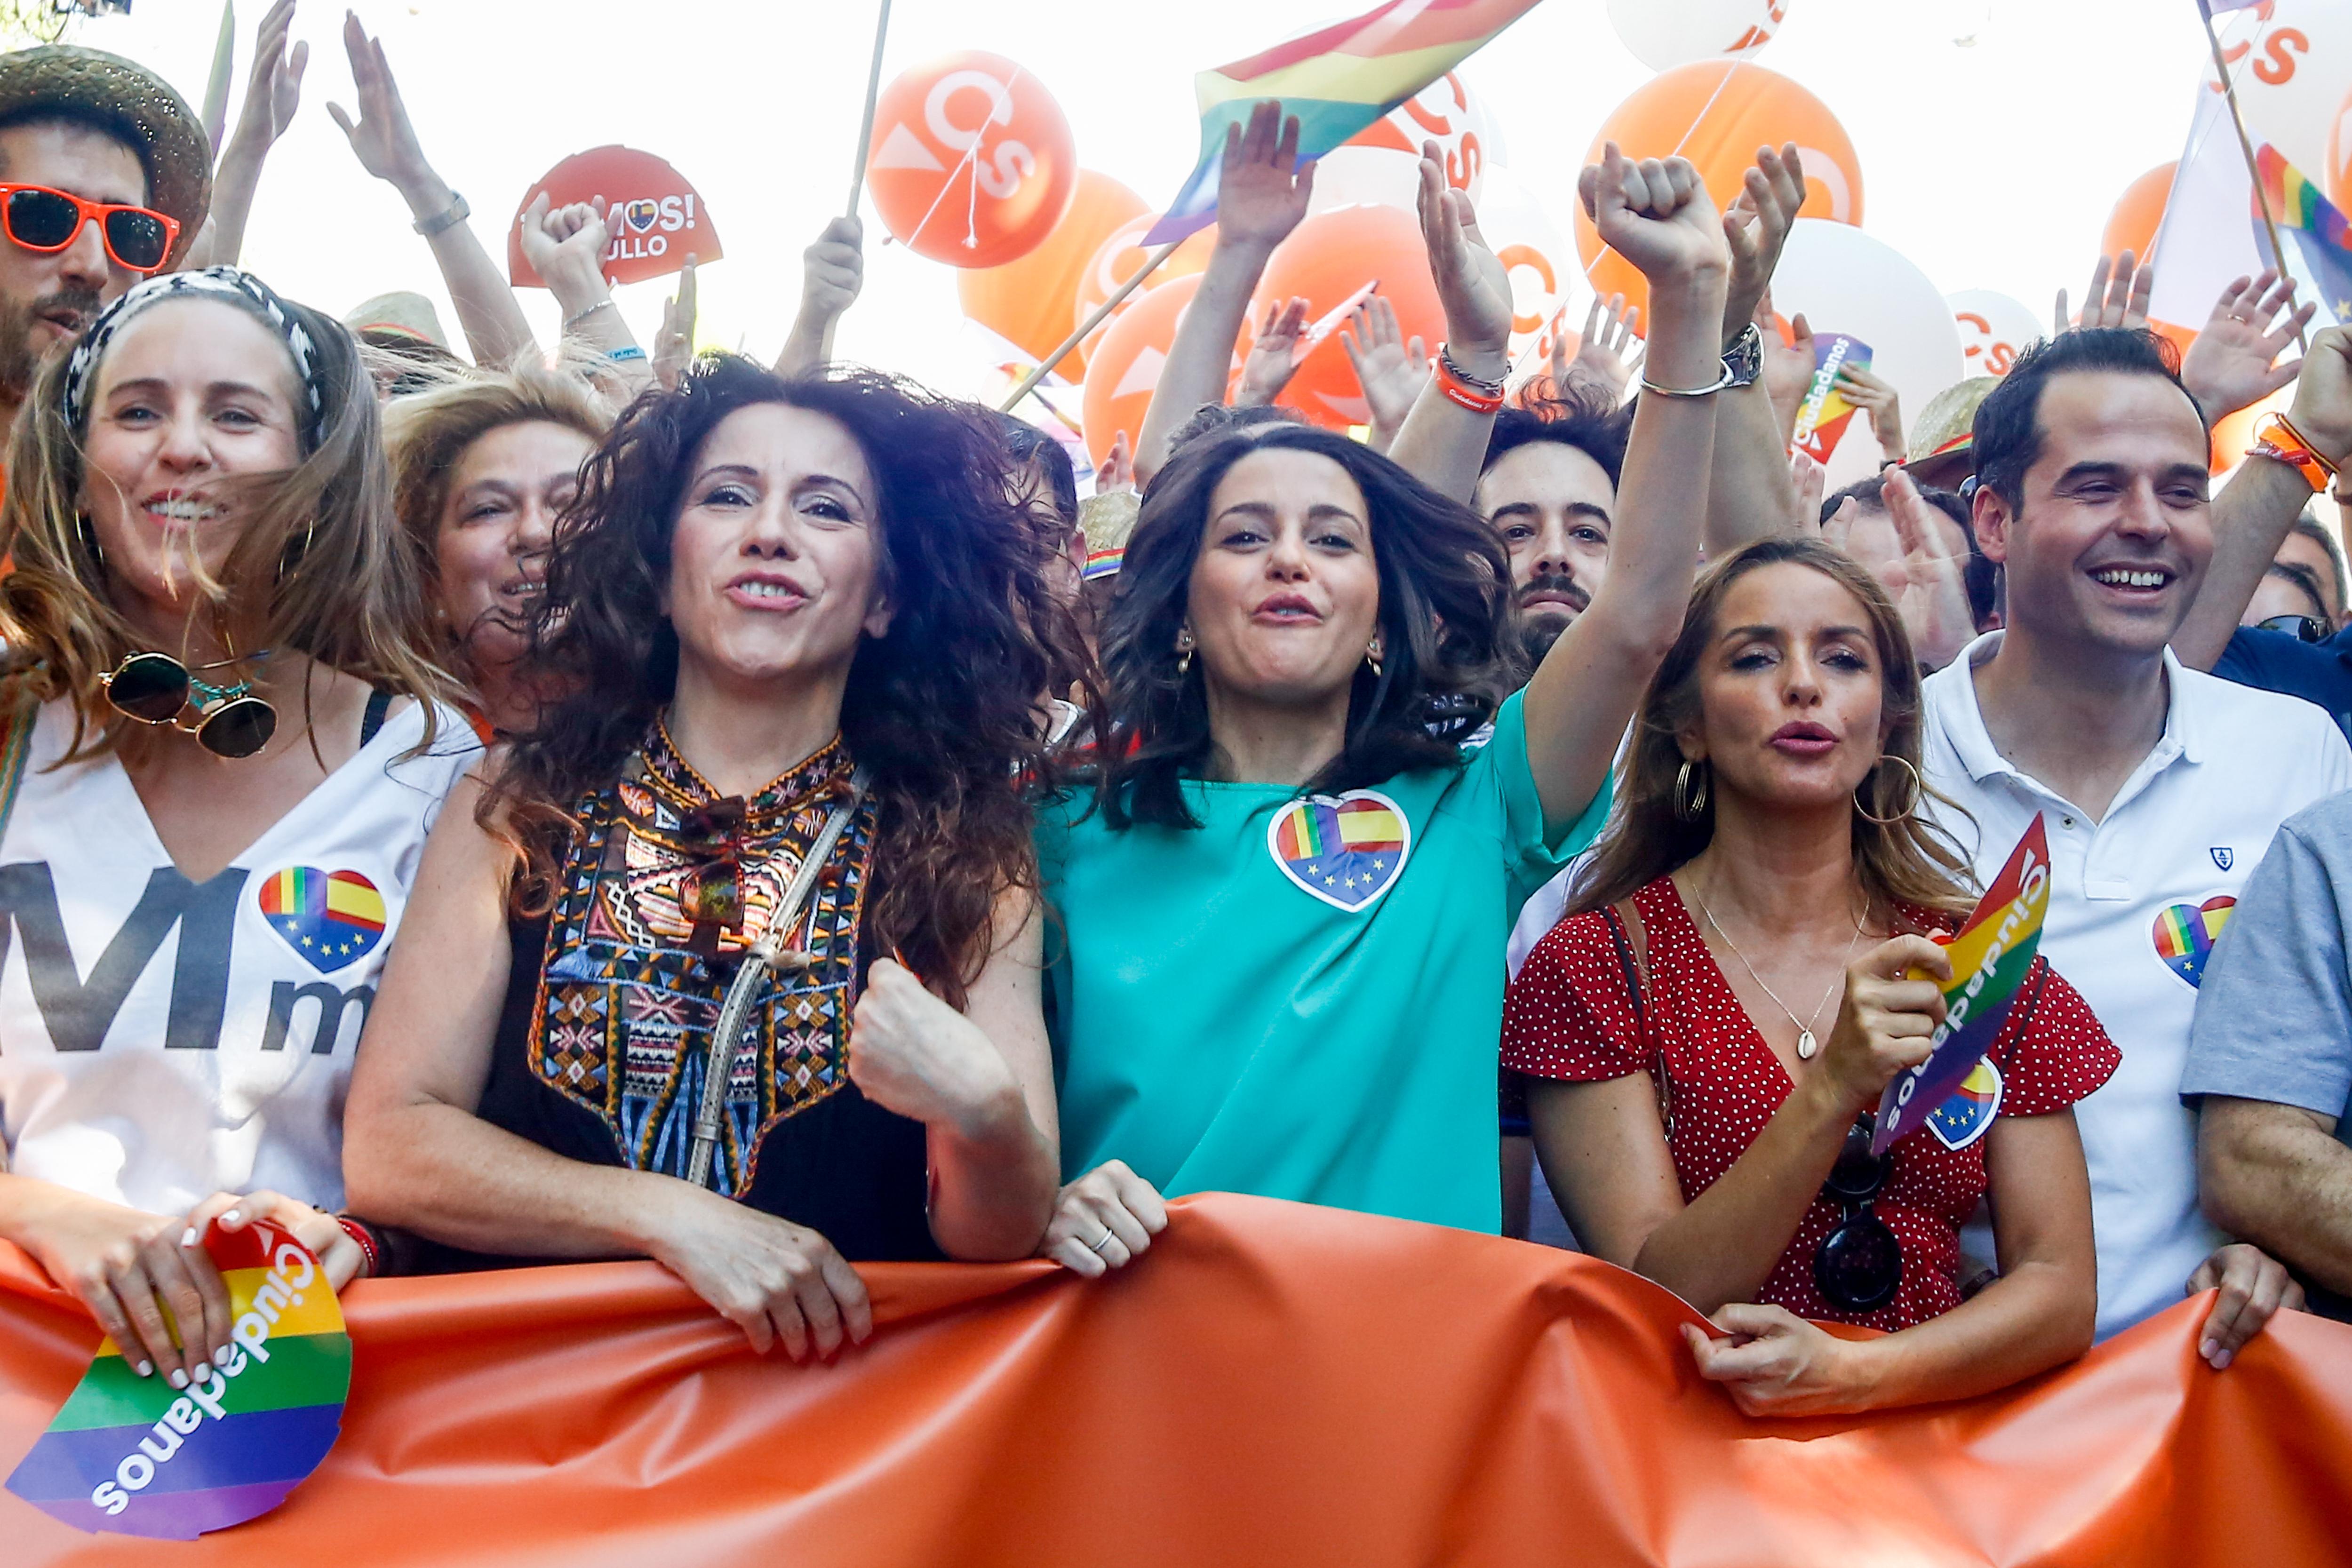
1346,850
133,1456
2184,935
330,918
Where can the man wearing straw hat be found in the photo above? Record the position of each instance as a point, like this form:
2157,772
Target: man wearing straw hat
105,175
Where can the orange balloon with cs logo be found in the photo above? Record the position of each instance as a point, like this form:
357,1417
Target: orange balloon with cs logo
1028,302
971,161
1716,113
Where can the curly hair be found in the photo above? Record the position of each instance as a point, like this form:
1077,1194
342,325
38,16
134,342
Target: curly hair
1571,420
1447,619
940,710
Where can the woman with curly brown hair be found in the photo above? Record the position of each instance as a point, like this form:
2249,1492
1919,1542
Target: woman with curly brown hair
743,934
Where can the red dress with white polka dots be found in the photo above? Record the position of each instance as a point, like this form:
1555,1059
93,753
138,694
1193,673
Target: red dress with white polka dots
1571,1015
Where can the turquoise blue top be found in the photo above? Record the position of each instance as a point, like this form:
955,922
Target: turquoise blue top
1302,998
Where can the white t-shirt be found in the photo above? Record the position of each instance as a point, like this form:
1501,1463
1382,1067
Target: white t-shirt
2135,902
162,1040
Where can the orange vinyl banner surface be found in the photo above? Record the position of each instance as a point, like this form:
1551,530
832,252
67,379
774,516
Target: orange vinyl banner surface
1273,1384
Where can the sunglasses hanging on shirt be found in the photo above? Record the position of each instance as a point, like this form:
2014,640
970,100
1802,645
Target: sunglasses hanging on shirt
157,689
1858,1266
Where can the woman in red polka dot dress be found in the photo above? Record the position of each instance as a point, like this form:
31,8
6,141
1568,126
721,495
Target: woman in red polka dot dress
1705,1035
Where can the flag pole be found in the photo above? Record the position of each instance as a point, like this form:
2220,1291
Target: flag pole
216,85
1044,367
2246,146
865,141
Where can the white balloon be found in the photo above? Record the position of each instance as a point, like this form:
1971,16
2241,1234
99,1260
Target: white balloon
1540,260
1994,329
1663,34
1380,165
2290,70
1844,280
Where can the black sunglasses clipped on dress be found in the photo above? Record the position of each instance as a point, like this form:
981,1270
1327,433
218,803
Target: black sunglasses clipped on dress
156,688
1858,1266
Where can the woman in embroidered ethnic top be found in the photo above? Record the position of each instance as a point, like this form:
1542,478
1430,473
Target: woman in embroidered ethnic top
792,619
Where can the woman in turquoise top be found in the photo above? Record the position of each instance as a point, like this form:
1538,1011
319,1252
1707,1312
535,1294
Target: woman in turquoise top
1278,962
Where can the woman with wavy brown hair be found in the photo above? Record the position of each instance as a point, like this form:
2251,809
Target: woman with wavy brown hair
743,934
219,754
1752,956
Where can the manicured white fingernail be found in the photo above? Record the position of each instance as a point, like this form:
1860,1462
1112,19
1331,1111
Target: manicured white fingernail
188,1237
232,1217
146,1369
203,1373
178,1380
221,1353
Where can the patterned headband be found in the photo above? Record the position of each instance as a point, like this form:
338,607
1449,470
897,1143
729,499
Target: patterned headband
240,288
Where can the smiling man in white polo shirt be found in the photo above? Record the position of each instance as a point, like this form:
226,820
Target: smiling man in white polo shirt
2160,786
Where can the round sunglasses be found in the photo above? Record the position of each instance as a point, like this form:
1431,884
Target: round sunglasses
1858,1266
40,218
156,688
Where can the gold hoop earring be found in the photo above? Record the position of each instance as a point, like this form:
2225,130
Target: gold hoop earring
1690,805
1373,657
1919,793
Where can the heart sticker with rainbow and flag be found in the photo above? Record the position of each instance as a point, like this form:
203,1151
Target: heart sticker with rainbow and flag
1346,850
2184,935
133,1456
331,918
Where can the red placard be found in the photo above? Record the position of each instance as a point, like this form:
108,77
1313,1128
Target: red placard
657,219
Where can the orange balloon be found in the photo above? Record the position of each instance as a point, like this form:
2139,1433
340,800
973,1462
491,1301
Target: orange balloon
1126,364
2233,434
971,161
2139,212
1117,259
1327,258
1027,302
1716,113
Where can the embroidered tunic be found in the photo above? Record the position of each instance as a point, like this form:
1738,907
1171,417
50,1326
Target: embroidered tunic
604,1040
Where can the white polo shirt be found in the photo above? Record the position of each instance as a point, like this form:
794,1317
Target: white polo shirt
2135,902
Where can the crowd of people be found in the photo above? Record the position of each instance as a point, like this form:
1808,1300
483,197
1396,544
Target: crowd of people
598,802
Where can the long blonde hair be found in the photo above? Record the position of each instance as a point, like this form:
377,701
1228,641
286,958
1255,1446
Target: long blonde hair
428,433
1902,862
322,567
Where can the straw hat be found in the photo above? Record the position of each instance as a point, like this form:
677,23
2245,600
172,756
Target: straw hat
401,320
138,105
1947,424
1107,518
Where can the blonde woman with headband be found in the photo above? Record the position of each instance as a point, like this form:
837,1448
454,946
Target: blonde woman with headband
219,753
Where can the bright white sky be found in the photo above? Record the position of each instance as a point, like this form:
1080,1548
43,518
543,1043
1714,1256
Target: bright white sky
1991,165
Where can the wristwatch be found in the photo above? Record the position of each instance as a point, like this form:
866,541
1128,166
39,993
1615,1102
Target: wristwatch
1744,361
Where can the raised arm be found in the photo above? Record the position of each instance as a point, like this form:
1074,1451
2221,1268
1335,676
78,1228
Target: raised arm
1658,217
1751,495
2257,509
271,96
1261,197
833,272
566,246
1442,443
386,146
2233,363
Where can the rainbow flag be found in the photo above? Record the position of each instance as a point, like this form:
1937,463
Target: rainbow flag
1336,80
133,1456
1989,958
2311,223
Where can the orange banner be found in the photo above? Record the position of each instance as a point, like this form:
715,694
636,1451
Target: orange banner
1272,1384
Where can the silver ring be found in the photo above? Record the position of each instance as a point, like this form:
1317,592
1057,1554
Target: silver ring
1095,1247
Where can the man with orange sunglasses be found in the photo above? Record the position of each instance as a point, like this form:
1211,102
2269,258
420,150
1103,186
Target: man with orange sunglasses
105,174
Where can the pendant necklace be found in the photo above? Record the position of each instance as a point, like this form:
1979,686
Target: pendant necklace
1806,1046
